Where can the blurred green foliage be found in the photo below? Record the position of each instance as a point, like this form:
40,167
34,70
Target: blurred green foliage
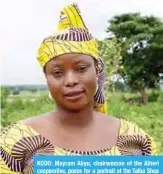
4,94
24,106
134,50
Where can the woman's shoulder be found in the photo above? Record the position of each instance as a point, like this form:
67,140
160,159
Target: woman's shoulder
125,127
130,128
131,134
13,133
132,139
12,137
19,131
19,141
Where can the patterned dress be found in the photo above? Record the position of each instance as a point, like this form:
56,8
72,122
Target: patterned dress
20,142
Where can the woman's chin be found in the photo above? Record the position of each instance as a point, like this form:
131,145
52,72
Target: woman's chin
76,107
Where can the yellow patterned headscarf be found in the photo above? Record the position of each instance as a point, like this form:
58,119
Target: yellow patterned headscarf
73,36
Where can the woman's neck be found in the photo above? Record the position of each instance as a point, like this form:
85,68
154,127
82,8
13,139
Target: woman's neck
80,118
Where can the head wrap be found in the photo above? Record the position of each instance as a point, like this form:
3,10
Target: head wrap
73,36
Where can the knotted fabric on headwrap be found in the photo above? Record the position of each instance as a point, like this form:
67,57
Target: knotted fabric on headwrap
73,36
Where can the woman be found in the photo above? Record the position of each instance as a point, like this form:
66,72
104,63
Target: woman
79,125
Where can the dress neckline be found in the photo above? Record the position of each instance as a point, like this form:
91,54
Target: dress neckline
75,151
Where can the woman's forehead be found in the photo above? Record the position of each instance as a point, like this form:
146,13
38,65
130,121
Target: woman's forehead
71,58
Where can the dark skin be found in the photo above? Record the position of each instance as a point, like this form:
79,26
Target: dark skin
75,124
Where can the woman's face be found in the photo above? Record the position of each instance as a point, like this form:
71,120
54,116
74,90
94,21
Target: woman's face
71,79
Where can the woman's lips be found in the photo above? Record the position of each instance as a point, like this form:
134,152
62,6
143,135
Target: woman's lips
74,95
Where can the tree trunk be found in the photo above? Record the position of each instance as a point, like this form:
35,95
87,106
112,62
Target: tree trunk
144,95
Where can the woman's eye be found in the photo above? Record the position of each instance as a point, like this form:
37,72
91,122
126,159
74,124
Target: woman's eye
57,73
82,69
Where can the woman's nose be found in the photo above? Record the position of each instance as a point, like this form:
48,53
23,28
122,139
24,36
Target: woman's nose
71,79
